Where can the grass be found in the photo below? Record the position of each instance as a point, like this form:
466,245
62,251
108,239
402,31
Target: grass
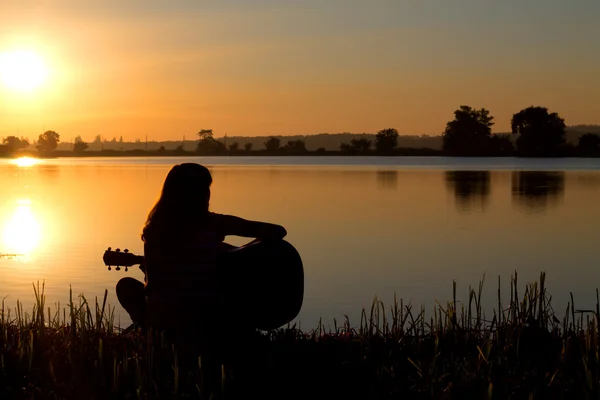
524,351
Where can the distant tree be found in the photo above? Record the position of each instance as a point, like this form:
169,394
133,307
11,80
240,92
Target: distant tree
48,141
469,133
357,146
205,134
295,146
272,143
589,144
345,147
234,146
248,146
386,140
13,143
97,139
209,146
540,133
120,139
114,140
501,145
207,143
79,145
162,149
362,145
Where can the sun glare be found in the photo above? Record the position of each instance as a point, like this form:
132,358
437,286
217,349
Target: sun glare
22,232
22,70
25,161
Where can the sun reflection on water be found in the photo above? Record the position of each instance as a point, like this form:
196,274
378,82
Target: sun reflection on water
25,161
22,231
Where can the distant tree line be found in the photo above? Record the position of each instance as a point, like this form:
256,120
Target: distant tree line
386,141
535,132
47,141
207,144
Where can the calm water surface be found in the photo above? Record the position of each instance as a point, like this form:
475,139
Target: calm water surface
365,227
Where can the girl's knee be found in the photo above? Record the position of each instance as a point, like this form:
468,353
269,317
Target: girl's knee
126,287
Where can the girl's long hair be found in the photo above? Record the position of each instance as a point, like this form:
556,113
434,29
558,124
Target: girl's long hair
183,204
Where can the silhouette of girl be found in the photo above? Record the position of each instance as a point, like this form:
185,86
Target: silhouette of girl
182,240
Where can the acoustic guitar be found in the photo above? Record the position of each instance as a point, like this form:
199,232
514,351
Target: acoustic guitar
262,281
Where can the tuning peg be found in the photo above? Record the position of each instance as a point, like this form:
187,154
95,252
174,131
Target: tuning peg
109,268
126,250
110,248
125,269
118,268
118,250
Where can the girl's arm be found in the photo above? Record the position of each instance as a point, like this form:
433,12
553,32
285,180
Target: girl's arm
254,229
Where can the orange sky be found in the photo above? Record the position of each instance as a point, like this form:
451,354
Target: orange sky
149,68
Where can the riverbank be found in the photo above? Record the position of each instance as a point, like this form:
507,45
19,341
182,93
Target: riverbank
525,351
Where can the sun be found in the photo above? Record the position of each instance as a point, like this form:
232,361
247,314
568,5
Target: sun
22,70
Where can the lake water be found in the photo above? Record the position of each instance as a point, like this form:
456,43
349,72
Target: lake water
364,226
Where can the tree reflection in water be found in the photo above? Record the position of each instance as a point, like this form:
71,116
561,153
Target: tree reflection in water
535,191
387,179
471,189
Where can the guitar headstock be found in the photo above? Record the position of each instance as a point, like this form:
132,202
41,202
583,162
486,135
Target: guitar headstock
120,259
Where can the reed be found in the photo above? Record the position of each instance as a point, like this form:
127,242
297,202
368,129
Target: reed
524,351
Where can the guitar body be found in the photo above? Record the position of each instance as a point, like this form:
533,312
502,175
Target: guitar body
262,283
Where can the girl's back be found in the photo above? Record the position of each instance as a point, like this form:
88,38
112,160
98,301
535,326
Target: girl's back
183,268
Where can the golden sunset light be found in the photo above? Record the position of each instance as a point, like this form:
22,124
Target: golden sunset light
22,231
170,70
22,70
